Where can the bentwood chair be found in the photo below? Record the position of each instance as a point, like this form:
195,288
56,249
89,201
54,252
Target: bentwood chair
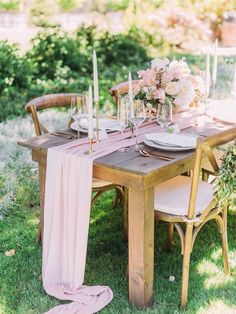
64,100
191,202
120,89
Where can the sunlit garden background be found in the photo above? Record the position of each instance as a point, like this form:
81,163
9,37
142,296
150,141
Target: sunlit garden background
46,47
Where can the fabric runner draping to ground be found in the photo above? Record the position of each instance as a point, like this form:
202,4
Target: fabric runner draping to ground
66,219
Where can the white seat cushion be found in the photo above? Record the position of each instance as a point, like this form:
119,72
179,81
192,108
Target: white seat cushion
173,196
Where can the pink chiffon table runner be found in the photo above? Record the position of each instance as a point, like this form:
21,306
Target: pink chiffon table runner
66,219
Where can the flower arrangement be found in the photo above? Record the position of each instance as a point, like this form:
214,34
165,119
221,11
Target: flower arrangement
167,82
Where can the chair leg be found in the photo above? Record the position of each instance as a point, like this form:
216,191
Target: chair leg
125,212
225,243
186,264
169,240
117,199
205,175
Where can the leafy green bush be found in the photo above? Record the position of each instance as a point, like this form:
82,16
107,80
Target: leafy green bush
59,62
104,6
15,78
10,5
225,184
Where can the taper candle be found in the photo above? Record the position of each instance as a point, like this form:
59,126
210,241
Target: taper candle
214,72
90,113
95,77
130,92
208,75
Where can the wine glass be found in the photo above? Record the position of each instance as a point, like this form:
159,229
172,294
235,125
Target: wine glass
123,119
206,79
137,117
164,115
78,111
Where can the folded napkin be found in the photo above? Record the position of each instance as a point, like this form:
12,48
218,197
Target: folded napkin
104,124
173,139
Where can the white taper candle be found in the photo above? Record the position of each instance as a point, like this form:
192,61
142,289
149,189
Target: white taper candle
90,113
208,75
214,72
95,77
130,92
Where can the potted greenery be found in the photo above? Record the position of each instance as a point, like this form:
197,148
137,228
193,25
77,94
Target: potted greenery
225,183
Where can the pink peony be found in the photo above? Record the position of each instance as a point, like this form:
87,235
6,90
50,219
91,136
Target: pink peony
148,77
167,76
160,95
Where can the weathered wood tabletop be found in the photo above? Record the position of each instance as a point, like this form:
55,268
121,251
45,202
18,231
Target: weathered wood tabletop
140,174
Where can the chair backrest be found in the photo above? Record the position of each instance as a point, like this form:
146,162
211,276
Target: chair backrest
120,89
205,148
45,102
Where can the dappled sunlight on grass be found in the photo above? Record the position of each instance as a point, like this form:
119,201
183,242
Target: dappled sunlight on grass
207,267
214,274
3,309
218,307
217,254
218,280
33,221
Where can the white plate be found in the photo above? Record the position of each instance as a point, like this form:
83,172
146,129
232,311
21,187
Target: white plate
74,126
167,148
173,139
104,124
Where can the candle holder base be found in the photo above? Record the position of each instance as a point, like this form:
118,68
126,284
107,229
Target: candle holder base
90,150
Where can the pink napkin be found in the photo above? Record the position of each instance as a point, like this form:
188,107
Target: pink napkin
66,222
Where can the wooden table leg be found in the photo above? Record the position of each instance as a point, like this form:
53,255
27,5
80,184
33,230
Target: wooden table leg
42,179
141,247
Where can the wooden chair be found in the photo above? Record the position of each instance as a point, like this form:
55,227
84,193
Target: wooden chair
99,187
191,202
120,89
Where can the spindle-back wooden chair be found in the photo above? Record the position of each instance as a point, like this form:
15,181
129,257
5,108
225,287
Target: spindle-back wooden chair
191,202
64,100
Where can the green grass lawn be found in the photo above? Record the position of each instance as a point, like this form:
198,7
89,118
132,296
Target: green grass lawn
21,288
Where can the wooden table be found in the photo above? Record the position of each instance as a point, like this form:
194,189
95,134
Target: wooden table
140,175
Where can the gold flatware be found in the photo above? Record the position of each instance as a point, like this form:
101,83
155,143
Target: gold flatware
159,156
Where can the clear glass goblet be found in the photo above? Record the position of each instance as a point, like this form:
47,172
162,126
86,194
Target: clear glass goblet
78,111
137,117
164,115
123,119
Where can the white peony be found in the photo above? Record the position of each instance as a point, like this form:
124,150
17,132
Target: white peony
146,90
181,66
159,64
172,88
186,93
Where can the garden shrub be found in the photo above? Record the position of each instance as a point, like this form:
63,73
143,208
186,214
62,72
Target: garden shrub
58,62
15,78
225,183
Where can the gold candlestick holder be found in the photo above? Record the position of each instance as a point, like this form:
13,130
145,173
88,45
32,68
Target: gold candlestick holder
97,125
90,150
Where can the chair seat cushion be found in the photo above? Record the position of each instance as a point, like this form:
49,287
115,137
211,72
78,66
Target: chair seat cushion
173,196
